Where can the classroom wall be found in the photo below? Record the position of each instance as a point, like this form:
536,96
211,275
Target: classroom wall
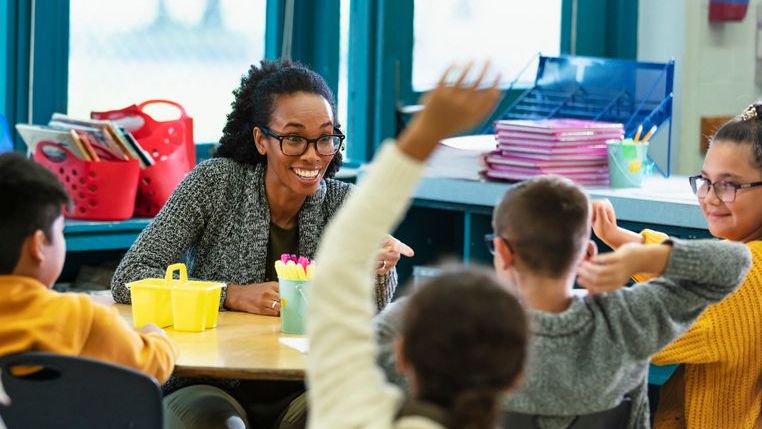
715,66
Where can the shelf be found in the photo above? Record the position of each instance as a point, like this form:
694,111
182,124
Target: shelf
83,235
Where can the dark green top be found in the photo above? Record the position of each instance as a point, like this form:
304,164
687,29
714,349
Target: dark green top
280,241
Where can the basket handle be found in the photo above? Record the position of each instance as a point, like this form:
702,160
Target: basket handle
179,267
183,114
43,144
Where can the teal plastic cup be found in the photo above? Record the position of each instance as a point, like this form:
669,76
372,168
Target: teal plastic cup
293,305
628,163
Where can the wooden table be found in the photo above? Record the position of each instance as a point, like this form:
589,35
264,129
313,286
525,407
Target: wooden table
242,346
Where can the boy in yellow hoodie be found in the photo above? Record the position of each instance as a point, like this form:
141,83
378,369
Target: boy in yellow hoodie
32,252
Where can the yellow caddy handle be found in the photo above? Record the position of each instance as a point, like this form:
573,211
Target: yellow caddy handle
179,267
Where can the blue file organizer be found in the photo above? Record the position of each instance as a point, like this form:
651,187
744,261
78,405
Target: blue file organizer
601,89
6,144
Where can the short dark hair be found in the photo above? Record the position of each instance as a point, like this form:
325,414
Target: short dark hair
254,105
33,198
465,366
545,220
745,128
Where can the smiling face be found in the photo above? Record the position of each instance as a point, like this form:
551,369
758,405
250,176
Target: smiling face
299,114
740,220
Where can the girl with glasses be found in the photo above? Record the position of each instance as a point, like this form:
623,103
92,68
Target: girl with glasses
717,384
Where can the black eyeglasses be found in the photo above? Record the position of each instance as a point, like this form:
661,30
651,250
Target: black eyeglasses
725,191
293,145
489,240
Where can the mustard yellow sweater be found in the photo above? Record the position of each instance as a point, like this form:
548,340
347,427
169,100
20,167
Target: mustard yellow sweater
33,317
722,353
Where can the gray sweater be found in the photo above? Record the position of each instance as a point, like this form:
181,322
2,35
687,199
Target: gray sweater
587,358
218,219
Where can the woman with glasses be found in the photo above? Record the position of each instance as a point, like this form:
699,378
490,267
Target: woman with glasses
718,382
269,190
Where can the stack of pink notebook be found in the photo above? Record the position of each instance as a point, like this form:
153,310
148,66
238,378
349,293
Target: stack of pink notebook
568,147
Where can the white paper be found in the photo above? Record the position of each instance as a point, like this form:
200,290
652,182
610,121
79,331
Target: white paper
298,343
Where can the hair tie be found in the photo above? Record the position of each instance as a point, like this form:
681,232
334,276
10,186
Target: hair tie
750,113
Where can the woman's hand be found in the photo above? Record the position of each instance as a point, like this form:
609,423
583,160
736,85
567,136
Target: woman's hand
390,253
605,227
257,298
610,271
449,108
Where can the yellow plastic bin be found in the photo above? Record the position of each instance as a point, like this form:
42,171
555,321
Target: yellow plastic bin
151,302
195,304
188,305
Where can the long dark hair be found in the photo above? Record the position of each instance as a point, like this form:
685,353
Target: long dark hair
254,105
465,336
745,128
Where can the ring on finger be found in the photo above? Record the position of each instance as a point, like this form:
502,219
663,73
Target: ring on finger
274,304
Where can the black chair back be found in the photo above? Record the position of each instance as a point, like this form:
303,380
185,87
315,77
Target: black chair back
55,391
614,418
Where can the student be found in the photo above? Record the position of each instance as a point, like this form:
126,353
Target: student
589,353
722,351
460,369
33,317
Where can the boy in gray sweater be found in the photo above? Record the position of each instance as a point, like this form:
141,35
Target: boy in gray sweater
589,353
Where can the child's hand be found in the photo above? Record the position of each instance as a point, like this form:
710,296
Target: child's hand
605,227
150,328
449,108
610,271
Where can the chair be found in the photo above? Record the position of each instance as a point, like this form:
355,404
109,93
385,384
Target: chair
614,418
56,391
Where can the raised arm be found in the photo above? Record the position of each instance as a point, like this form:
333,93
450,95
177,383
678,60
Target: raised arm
173,231
650,315
346,387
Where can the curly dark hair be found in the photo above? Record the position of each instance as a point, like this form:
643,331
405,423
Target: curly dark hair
745,128
254,105
465,365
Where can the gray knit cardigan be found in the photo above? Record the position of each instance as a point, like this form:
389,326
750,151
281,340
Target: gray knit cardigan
218,221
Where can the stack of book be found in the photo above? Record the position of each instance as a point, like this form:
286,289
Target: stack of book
568,147
87,139
460,157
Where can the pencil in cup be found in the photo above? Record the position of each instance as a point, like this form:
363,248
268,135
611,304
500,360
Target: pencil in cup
291,267
649,134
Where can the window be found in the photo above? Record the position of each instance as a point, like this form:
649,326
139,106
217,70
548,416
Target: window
190,51
509,32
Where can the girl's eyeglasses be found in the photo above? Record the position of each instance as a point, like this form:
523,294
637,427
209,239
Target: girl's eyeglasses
725,191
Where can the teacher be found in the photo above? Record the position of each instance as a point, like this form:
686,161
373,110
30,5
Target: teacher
269,190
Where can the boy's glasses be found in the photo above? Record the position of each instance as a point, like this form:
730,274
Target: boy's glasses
292,145
489,240
725,191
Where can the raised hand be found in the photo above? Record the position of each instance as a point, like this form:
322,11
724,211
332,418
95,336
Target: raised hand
610,271
449,108
605,226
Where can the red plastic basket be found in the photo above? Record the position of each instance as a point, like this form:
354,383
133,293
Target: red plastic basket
170,144
158,181
102,190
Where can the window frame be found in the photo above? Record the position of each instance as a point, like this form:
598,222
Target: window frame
49,57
